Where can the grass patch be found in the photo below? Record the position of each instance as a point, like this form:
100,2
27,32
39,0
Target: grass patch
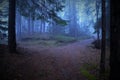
36,37
47,40
64,39
87,74
90,71
90,66
39,42
84,37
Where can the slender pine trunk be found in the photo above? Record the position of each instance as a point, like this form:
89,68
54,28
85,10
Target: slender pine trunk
11,26
103,45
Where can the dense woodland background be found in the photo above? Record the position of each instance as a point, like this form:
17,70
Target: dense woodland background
77,19
51,19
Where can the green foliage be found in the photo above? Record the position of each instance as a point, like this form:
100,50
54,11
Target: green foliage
90,71
3,28
3,3
46,40
59,21
87,74
44,9
3,18
64,39
90,66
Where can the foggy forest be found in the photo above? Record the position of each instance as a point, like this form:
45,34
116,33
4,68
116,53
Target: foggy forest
55,39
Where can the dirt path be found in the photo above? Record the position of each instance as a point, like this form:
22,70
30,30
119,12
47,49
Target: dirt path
59,63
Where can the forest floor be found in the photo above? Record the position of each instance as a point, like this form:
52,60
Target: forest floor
75,61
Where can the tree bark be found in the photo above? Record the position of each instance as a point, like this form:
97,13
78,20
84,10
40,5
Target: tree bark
29,24
11,26
19,25
115,41
32,23
103,45
97,12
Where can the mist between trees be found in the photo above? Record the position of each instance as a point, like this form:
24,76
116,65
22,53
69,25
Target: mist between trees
79,19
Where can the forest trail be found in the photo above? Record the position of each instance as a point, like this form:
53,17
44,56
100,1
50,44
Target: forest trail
56,63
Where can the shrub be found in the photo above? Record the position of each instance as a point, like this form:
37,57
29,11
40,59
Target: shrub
64,39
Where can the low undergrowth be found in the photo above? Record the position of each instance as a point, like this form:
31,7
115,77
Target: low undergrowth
90,71
47,40
87,74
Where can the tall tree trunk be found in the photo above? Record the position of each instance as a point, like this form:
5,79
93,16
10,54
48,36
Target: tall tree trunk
11,26
29,24
32,21
115,41
103,45
32,26
97,11
98,26
73,18
19,25
40,26
43,26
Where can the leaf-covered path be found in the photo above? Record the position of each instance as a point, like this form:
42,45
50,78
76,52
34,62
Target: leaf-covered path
55,63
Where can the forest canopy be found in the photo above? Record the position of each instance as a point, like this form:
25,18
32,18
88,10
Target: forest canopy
45,10
80,17
3,18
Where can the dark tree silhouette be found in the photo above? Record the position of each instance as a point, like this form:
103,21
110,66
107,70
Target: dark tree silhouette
11,27
115,41
103,43
97,13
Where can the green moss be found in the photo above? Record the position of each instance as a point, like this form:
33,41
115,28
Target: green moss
90,66
64,39
47,40
87,74
86,69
